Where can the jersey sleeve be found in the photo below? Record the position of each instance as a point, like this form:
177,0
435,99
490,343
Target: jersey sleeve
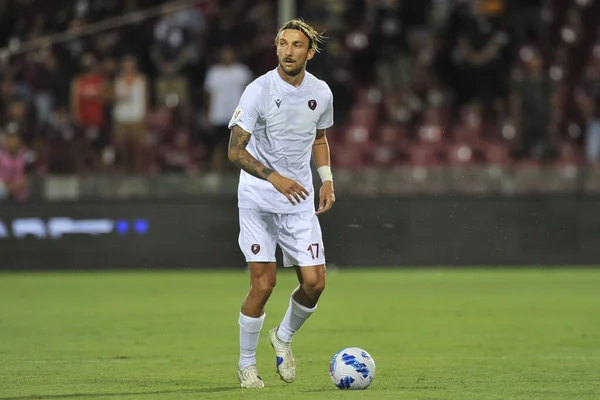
326,118
248,110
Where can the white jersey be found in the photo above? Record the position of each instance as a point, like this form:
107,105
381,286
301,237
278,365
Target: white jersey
283,121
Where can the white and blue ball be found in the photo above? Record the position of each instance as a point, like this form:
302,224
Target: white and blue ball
352,368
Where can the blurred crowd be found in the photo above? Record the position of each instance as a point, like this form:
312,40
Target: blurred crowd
463,82
417,82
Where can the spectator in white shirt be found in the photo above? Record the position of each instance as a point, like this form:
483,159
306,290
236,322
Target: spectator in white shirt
129,115
224,84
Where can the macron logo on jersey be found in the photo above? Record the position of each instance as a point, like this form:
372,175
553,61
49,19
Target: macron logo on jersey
278,102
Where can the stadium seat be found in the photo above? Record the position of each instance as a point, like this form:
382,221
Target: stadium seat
348,156
365,115
160,120
435,116
383,155
496,153
358,134
568,153
459,154
430,133
466,135
368,96
393,135
423,154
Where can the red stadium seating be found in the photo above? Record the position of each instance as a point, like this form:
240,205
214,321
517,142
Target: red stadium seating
348,156
496,153
460,154
424,154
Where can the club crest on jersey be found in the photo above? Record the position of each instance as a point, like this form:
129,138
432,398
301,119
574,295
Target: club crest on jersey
312,104
255,248
278,102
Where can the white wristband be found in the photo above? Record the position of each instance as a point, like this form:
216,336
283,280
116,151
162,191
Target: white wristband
325,173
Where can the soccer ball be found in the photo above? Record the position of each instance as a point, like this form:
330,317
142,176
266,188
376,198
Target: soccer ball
352,368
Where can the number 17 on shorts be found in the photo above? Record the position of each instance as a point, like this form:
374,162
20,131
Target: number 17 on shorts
298,235
313,249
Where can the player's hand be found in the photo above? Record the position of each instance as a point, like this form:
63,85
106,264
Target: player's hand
326,197
291,189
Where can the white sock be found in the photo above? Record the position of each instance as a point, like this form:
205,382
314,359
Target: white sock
294,318
249,333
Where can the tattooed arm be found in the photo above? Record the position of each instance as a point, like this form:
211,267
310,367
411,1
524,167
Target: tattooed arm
240,157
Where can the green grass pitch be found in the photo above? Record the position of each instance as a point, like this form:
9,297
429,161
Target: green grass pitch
434,334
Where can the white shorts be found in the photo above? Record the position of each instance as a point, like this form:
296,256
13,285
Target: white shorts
298,235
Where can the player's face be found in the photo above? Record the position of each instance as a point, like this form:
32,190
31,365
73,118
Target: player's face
293,51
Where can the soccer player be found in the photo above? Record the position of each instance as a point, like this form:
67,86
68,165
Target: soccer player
279,123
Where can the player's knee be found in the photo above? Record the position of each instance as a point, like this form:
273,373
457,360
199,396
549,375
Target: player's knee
314,286
264,286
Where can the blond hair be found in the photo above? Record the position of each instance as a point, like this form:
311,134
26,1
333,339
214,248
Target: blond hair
314,37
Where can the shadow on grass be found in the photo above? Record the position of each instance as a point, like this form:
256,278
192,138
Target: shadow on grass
93,395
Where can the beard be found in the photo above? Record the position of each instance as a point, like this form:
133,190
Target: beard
291,70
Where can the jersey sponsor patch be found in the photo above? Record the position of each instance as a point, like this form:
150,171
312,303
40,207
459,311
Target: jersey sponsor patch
237,115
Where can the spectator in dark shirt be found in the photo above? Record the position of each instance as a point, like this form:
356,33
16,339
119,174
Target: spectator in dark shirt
588,97
480,51
532,105
170,53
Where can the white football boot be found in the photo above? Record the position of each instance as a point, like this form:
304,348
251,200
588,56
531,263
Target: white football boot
286,366
249,377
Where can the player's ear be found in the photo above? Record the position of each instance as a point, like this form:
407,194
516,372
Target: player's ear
310,55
